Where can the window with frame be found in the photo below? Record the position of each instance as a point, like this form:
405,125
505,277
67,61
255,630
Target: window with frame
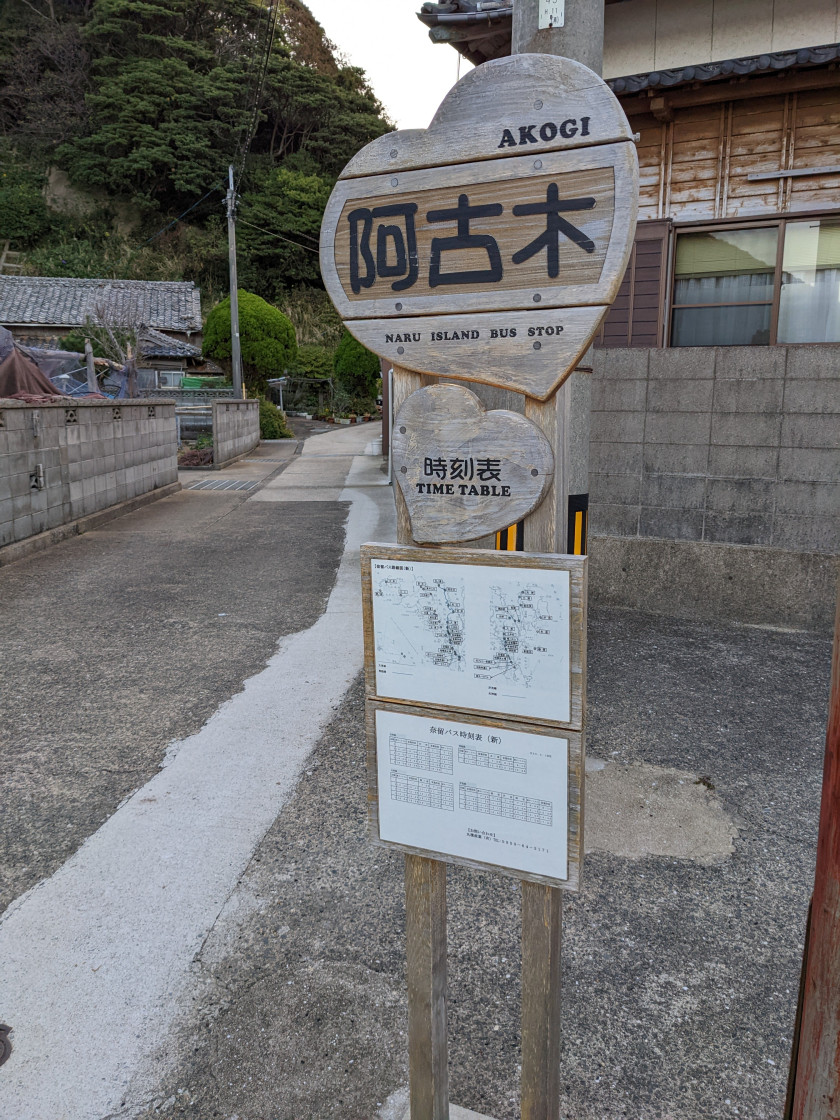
754,286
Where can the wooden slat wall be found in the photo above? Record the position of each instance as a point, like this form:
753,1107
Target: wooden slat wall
695,163
636,317
816,143
754,142
695,167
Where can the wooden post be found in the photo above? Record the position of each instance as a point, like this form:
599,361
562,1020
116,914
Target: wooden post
581,38
425,918
542,927
817,1087
425,909
93,384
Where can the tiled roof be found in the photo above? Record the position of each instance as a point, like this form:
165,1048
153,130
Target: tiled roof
153,344
729,68
60,302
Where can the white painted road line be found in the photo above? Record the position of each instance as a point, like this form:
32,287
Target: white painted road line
95,962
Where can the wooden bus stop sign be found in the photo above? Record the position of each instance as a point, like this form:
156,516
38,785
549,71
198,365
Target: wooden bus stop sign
489,246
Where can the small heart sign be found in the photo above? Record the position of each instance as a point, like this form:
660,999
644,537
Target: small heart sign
465,472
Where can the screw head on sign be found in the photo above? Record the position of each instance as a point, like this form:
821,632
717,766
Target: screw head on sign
5,1045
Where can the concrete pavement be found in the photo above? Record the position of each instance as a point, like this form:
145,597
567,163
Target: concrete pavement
106,943
221,946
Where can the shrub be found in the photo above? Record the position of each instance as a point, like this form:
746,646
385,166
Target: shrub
314,361
273,422
267,339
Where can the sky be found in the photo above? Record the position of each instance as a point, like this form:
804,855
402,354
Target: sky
408,73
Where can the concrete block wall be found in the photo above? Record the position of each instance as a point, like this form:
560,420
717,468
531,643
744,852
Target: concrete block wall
63,461
236,429
721,445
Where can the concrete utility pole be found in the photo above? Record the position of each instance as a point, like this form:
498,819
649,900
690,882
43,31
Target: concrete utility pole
582,38
235,353
565,420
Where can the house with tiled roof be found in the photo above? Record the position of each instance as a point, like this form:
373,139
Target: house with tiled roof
39,310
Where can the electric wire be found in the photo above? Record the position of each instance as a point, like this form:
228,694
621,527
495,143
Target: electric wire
250,73
215,187
282,237
275,11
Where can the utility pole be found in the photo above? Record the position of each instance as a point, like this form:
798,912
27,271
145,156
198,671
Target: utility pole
815,1080
235,352
565,419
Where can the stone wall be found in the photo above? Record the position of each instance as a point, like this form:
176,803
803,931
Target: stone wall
236,429
715,447
63,461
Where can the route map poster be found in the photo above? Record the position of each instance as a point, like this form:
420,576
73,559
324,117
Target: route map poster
481,793
496,639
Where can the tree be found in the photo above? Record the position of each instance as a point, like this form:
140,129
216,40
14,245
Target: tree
357,370
267,339
281,223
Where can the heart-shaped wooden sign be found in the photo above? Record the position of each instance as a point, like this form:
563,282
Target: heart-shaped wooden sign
465,472
489,246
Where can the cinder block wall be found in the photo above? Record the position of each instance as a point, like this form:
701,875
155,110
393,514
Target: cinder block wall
84,456
731,455
236,429
731,445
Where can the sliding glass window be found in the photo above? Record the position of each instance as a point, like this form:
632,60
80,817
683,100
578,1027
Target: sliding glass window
723,287
758,285
809,304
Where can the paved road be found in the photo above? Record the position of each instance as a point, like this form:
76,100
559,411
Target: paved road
223,946
150,625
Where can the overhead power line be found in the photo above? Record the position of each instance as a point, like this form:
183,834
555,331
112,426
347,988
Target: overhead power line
275,11
216,187
271,233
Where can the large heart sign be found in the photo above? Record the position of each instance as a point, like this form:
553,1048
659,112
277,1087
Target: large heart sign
465,472
489,246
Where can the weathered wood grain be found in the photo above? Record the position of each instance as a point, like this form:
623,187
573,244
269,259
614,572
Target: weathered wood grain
509,231
425,907
520,356
542,927
575,791
508,182
507,93
464,472
817,1088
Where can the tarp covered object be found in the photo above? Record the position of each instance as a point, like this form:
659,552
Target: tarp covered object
21,379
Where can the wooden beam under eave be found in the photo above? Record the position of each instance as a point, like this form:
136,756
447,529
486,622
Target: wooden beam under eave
656,101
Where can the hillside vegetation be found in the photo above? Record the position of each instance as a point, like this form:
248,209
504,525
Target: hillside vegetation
118,117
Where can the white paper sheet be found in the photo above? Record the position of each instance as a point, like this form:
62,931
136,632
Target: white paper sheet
482,793
489,638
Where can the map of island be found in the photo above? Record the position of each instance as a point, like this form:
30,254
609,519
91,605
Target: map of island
428,627
520,622
483,637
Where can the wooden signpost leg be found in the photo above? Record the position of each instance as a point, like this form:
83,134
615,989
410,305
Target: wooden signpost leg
542,922
425,919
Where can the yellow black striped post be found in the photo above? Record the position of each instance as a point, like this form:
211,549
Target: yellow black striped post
511,539
578,524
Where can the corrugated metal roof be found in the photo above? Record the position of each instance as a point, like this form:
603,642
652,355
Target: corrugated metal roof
65,302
